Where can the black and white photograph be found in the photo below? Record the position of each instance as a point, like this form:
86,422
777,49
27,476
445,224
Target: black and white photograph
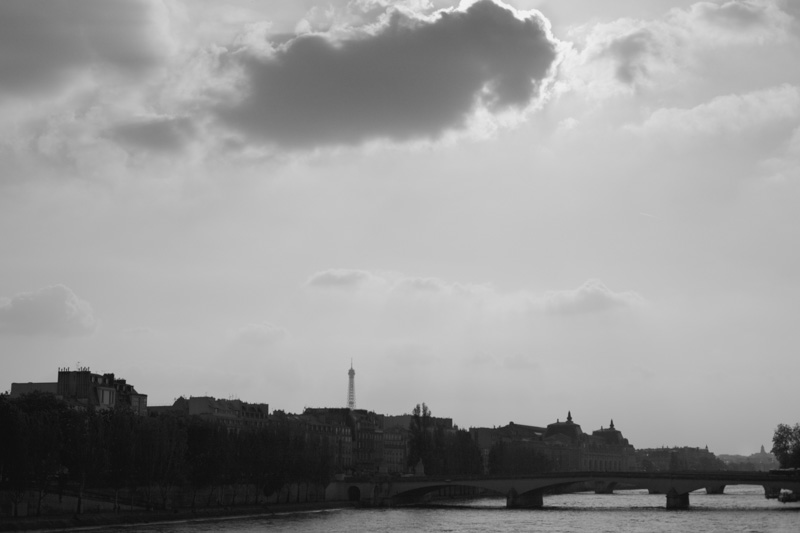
399,265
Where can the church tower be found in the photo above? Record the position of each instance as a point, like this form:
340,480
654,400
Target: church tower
351,390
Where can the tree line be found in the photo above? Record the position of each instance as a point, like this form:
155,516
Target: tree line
48,448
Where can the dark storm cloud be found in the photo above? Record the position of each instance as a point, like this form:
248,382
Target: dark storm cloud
52,311
159,135
42,42
411,78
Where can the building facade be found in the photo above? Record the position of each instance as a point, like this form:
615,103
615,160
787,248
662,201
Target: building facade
85,390
564,445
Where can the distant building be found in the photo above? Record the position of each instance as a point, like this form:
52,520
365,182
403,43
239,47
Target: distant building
395,450
18,389
101,391
564,444
335,428
404,421
607,449
486,438
236,415
366,436
678,459
85,390
368,441
761,461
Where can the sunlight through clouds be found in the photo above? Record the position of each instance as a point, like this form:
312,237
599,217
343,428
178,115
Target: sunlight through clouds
553,201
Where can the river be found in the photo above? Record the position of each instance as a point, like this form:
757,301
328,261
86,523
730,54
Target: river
740,509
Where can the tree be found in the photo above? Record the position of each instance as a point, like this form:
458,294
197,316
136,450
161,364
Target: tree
786,445
420,446
119,434
42,415
517,458
85,453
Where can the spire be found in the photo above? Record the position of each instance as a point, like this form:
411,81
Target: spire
612,423
569,416
351,389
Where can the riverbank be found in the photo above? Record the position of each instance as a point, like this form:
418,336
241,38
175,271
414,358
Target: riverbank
96,521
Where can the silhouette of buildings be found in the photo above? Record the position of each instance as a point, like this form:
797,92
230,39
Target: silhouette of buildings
334,427
83,389
362,442
761,461
234,414
564,445
677,459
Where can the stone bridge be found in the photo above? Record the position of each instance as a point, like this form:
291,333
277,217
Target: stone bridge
529,491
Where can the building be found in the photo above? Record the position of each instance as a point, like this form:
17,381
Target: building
18,389
234,414
487,438
404,421
607,449
101,391
673,459
395,450
334,427
570,449
366,433
85,390
564,445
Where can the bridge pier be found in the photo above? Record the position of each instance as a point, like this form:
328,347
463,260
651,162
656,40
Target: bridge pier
677,501
533,499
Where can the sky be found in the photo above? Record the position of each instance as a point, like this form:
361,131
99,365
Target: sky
507,211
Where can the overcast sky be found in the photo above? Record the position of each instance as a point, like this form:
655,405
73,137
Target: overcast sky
506,211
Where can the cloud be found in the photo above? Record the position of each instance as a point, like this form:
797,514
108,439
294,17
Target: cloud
396,284
785,165
630,52
635,53
737,14
726,115
53,310
44,44
592,297
260,334
340,279
163,134
406,77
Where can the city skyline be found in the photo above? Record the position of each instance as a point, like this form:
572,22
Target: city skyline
18,389
506,210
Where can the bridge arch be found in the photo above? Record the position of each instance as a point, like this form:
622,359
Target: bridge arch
417,494
353,494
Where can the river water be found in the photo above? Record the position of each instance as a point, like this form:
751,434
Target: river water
740,509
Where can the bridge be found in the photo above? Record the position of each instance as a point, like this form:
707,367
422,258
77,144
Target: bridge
529,491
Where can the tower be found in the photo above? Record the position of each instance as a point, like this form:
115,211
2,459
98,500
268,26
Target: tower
351,390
